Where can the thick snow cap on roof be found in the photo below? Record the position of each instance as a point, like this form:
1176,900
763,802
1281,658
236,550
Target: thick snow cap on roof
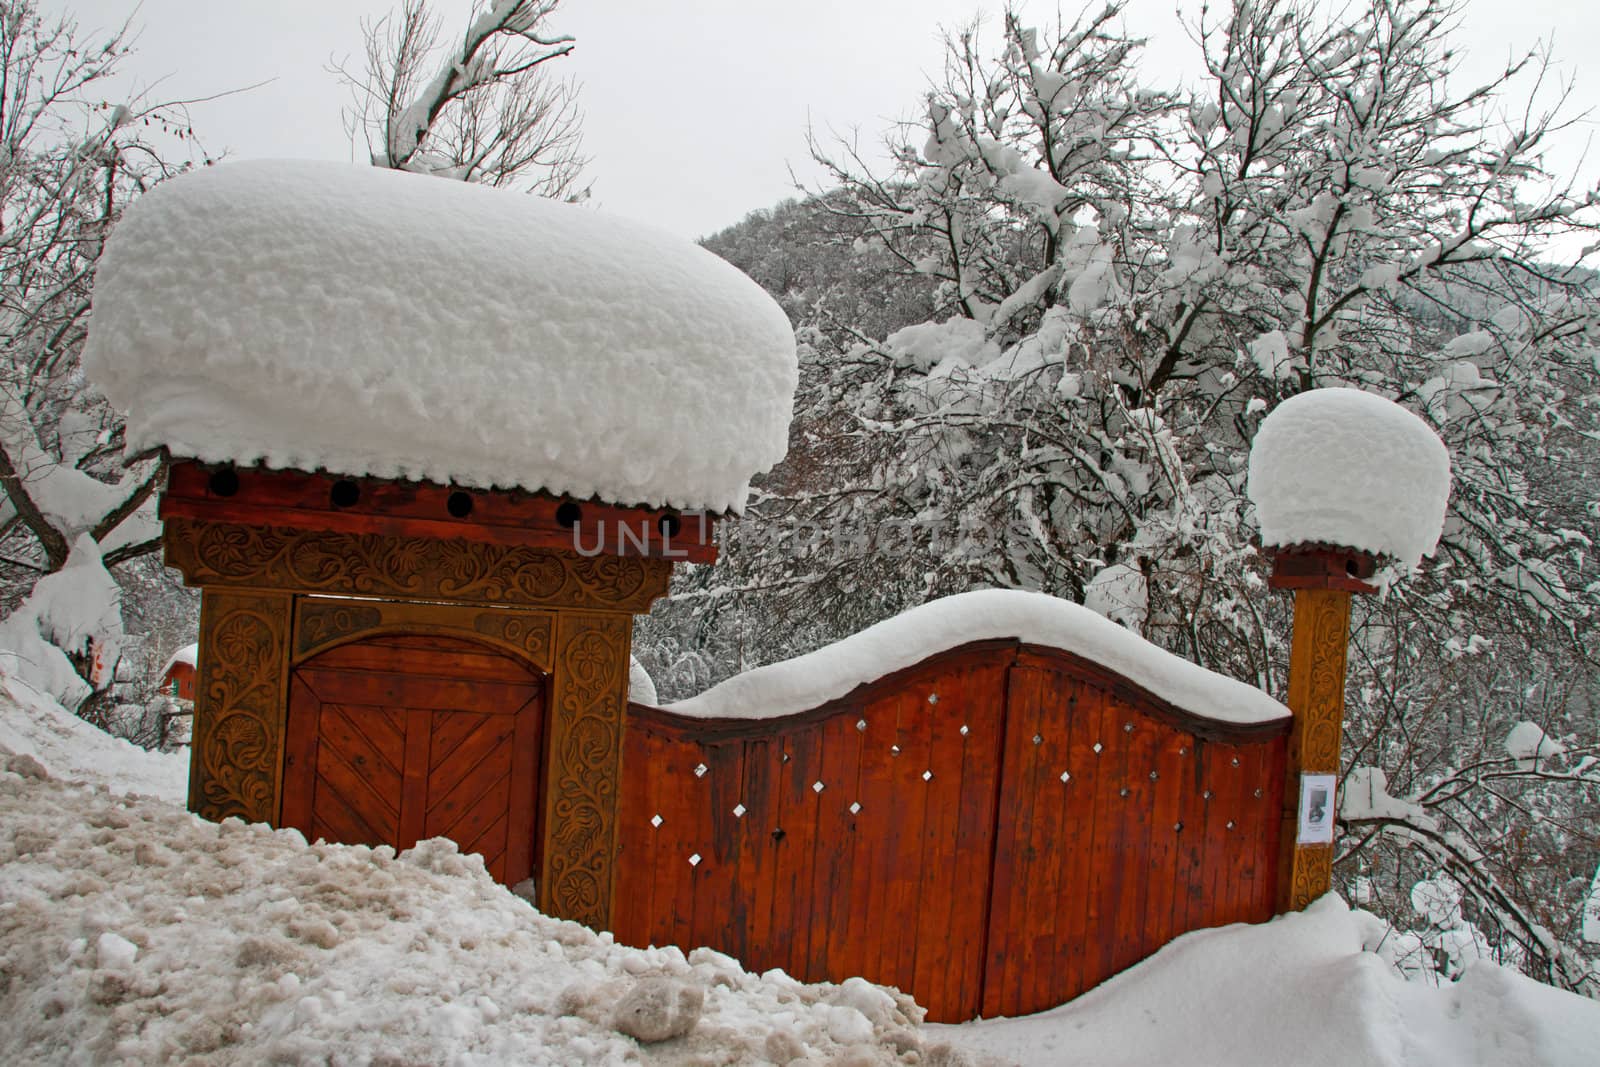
368,322
830,672
1348,468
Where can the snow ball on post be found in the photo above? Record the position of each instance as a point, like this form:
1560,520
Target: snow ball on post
1342,472
1341,481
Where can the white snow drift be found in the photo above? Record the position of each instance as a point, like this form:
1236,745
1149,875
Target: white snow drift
363,321
907,639
132,932
1343,467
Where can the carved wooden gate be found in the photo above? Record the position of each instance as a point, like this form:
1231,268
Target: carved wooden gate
393,739
995,830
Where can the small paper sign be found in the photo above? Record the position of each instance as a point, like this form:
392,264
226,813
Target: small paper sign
1316,809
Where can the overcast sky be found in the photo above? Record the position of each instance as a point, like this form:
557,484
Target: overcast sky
695,109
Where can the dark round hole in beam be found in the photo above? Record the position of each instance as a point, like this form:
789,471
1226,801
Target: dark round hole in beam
569,514
345,493
224,482
1352,568
670,525
459,504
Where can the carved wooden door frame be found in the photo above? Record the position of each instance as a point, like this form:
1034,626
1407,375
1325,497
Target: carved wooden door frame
271,597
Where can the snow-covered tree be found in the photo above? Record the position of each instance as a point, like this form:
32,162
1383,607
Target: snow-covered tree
70,161
483,108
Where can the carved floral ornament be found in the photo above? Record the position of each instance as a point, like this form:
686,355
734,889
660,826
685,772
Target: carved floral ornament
313,561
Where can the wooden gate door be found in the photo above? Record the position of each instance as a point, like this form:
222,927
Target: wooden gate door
399,738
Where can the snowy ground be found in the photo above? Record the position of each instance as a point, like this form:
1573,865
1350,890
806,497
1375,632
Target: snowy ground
132,932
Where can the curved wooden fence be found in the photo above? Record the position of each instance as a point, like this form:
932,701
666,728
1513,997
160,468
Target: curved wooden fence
994,830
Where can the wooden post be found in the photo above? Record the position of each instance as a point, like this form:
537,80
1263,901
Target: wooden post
1323,581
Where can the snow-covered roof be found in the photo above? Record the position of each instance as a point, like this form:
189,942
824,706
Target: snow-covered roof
829,673
1348,468
188,655
362,321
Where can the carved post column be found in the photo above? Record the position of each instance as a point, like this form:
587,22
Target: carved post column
239,701
583,766
1323,581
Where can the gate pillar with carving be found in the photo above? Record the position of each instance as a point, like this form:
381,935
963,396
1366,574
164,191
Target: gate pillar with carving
1343,481
294,565
1322,580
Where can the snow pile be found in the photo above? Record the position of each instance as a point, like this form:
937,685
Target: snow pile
1311,989
1528,744
1366,795
133,932
365,321
905,640
32,724
1348,468
78,610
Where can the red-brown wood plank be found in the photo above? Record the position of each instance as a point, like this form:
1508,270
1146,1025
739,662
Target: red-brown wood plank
526,758
489,744
716,875
682,803
1143,743
1082,765
974,862
938,895
1047,949
871,922
300,757
1265,903
1219,844
511,517
757,853
1003,959
792,906
832,867
1163,850
416,736
846,748
346,802
1189,842
1106,873
352,729
635,852
914,736
398,690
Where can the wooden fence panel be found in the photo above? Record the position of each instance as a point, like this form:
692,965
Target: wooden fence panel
995,830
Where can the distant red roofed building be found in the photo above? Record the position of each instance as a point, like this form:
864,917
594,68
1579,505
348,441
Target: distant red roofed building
177,677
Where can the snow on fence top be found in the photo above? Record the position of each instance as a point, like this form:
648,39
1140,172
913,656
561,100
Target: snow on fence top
1346,468
369,322
829,673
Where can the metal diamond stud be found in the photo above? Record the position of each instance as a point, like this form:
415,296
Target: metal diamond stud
738,811
1066,776
694,860
655,820
927,776
855,809
817,786
700,771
